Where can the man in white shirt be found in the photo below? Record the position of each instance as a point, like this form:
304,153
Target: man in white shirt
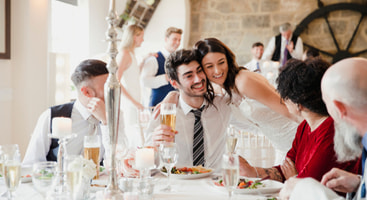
344,91
153,74
257,51
87,114
196,94
284,46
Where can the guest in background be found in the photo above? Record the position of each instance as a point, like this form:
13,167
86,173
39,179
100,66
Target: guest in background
196,105
87,113
344,91
153,72
128,72
257,51
310,53
284,46
312,153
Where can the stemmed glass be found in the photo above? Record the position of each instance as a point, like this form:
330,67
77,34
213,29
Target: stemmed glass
169,155
231,140
74,174
43,176
230,167
144,117
11,168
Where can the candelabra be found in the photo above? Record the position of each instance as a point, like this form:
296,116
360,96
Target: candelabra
112,101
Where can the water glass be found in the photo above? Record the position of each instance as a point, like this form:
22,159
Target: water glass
11,168
43,176
169,156
92,145
230,167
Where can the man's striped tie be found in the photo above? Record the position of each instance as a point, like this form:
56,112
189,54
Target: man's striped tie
198,142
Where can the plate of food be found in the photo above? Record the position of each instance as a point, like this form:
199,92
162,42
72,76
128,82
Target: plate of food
189,172
252,186
26,174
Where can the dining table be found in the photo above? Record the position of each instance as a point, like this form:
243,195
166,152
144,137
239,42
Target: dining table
193,189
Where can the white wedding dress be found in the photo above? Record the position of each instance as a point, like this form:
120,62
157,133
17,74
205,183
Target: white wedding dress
277,128
131,81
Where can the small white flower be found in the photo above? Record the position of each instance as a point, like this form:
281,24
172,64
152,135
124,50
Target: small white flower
89,169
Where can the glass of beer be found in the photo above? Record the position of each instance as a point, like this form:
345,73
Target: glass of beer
168,114
92,145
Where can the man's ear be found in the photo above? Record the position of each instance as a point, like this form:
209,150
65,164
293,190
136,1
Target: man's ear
173,83
86,91
340,108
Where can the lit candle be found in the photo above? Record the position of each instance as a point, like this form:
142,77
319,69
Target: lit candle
61,126
144,158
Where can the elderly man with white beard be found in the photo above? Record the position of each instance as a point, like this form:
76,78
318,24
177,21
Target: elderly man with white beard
344,90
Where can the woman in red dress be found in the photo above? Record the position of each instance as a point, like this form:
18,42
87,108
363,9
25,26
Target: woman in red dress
312,153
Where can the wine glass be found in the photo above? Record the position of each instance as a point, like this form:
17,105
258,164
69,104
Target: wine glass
11,168
74,174
43,176
169,155
231,140
144,118
230,167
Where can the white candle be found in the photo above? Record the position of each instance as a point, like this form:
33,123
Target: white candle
61,126
144,158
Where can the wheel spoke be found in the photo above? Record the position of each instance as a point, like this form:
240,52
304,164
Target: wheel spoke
359,52
322,51
332,33
355,32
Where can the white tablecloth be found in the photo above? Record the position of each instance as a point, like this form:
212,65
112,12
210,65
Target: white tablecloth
195,189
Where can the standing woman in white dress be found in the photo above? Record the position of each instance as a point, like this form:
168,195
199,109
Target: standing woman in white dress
253,98
128,73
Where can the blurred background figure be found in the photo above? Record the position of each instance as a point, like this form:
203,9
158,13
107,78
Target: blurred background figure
257,51
153,72
310,53
129,73
284,46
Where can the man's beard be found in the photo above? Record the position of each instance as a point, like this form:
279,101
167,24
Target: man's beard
347,141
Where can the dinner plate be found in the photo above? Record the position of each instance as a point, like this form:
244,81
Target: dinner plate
190,176
268,187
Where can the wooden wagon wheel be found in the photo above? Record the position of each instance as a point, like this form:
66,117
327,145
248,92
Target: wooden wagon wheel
323,12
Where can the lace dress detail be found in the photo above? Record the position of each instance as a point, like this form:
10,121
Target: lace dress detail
278,129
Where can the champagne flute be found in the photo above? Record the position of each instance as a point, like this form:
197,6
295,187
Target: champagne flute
11,168
169,155
231,140
43,176
74,173
92,145
230,167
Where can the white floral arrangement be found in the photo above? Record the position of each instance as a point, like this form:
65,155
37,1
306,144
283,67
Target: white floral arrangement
89,169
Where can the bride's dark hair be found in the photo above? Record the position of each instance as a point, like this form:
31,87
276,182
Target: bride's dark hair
212,45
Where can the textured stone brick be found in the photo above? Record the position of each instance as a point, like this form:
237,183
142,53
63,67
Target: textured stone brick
269,5
224,7
256,21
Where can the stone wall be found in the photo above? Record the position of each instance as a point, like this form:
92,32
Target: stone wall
240,23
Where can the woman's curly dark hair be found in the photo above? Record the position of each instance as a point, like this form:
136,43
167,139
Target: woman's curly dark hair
213,45
300,82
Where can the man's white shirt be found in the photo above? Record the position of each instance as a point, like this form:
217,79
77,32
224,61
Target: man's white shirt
215,120
149,71
39,145
297,51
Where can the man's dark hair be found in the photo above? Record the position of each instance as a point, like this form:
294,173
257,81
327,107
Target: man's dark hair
88,69
300,82
312,53
182,57
257,44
